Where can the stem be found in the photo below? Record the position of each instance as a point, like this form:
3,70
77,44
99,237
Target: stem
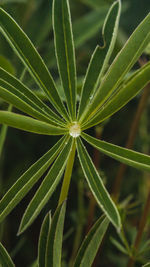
140,230
134,127
81,219
67,176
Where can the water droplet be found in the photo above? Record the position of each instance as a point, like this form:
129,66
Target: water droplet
75,130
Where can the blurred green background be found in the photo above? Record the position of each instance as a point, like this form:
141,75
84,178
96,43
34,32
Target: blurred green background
23,149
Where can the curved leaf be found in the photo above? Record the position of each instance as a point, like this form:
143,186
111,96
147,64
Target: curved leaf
23,185
100,57
124,155
120,66
65,51
91,243
123,95
97,187
5,63
34,100
3,133
21,102
5,259
31,59
46,189
55,237
42,245
28,124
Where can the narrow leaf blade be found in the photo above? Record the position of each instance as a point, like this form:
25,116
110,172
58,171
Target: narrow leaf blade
23,185
21,102
124,155
34,100
31,59
64,46
3,133
5,259
100,57
120,66
124,94
97,187
42,244
55,237
28,124
46,189
91,243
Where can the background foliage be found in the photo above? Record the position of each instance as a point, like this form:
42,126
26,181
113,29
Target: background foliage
22,149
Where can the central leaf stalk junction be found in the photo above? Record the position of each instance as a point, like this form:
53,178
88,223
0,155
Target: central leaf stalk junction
74,129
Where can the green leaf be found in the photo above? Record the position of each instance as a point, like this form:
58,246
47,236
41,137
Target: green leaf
30,125
101,56
65,51
35,102
5,260
12,1
124,155
97,187
146,265
55,237
3,133
5,63
46,189
124,94
42,245
21,102
31,59
91,243
119,246
120,66
23,185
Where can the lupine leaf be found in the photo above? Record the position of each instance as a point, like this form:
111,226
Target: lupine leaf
46,189
31,59
54,240
5,63
3,133
28,124
146,265
91,243
23,185
119,246
97,187
5,260
100,56
65,51
21,102
36,102
124,155
42,245
120,66
124,94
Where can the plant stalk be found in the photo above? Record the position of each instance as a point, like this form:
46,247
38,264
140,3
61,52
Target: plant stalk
134,127
142,225
81,219
67,176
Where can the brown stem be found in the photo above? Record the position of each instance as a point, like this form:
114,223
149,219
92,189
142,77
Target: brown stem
130,141
140,230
